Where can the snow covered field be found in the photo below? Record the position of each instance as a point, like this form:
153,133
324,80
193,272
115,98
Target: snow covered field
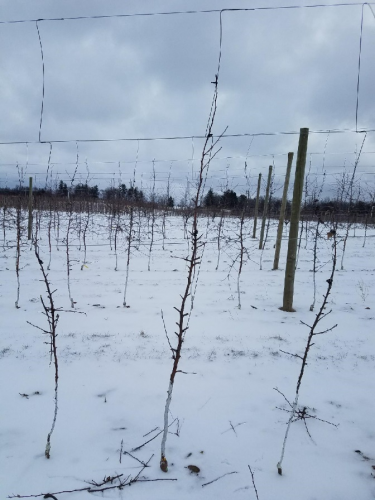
115,362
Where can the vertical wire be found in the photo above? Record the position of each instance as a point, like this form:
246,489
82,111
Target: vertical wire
192,158
42,106
325,150
49,163
136,164
359,69
220,41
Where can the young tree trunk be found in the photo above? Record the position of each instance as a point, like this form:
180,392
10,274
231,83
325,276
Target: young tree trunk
49,237
312,333
84,233
128,251
220,227
241,256
117,229
192,260
314,262
52,315
4,224
300,239
18,248
30,221
257,206
365,236
56,227
67,250
152,219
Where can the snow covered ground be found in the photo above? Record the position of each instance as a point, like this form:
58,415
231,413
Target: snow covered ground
114,367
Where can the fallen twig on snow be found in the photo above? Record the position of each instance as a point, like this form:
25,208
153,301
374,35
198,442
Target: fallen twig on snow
253,480
104,485
214,480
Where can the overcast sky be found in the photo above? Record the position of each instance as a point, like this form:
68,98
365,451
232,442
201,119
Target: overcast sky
141,77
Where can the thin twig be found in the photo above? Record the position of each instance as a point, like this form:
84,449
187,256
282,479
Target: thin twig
325,331
100,487
122,442
135,458
153,430
233,429
252,478
227,474
166,334
156,435
283,395
290,354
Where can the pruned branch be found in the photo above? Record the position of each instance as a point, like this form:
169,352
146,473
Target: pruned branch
290,354
158,434
233,427
326,331
166,334
135,458
283,395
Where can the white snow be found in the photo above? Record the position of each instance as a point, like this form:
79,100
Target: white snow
115,363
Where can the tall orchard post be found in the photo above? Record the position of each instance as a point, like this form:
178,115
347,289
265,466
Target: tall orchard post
282,212
265,208
290,269
257,206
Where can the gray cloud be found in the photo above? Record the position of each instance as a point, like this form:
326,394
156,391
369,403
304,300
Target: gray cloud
150,77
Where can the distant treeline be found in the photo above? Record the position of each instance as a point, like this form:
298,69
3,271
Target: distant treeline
86,192
229,201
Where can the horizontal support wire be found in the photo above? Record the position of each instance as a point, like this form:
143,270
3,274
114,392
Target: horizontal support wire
189,137
148,139
187,12
192,137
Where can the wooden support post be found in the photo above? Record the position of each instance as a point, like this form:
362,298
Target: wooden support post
257,207
282,212
290,269
265,208
30,223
